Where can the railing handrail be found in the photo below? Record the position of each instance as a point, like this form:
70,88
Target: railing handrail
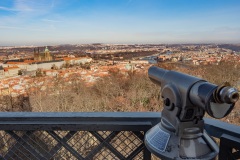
217,128
99,120
79,120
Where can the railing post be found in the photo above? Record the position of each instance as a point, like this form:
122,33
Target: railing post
227,145
146,152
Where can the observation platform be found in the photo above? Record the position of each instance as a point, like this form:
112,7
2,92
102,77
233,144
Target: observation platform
98,135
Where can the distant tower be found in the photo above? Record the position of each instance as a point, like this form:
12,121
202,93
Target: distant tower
36,55
47,56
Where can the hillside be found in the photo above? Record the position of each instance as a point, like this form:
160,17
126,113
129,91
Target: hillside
119,91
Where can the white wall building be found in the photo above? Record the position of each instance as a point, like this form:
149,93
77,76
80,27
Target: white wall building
47,65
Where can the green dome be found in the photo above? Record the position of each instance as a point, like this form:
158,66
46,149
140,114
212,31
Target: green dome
46,49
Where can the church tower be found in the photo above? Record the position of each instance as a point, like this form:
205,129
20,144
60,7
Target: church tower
36,55
47,55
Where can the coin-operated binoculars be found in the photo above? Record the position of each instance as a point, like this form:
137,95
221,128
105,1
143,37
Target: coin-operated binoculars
181,134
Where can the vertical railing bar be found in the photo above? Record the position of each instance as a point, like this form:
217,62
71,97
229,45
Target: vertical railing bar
146,153
57,147
230,155
237,154
65,145
227,143
23,140
108,145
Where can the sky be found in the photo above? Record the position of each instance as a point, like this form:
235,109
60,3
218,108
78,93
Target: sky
53,22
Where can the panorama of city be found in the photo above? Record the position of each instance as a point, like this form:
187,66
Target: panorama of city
106,77
22,65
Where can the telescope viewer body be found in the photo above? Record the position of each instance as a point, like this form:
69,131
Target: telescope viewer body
194,92
181,134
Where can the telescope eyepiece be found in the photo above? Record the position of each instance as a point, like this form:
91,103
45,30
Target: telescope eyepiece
228,95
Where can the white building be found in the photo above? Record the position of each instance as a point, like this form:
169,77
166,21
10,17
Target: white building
73,61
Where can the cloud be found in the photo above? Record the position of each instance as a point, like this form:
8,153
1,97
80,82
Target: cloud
18,6
7,9
10,27
50,20
27,13
26,6
23,6
21,28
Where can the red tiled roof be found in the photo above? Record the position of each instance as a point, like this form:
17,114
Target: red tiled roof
9,68
29,61
16,63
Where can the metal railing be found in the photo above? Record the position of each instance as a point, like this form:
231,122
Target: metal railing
108,135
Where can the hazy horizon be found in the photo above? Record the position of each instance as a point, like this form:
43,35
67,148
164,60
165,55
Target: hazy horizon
48,45
55,22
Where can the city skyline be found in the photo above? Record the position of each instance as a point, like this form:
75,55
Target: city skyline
52,22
